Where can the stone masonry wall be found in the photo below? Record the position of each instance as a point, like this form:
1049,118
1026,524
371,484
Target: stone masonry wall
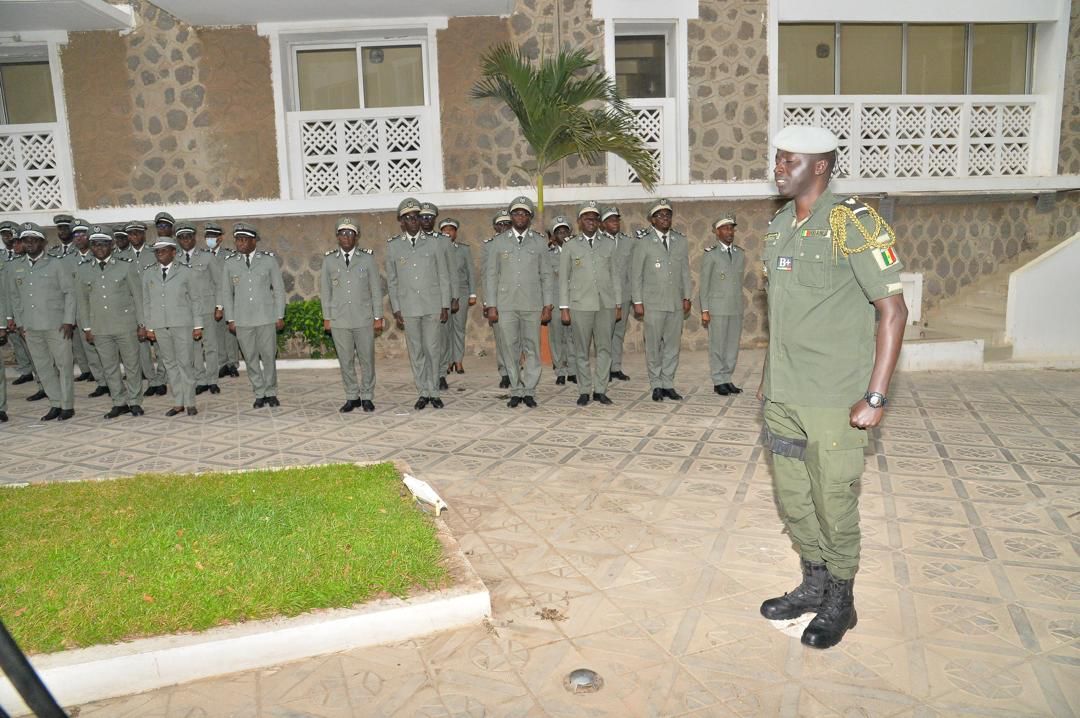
169,113
729,91
1069,148
951,243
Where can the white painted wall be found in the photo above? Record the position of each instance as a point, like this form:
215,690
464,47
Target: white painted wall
1040,318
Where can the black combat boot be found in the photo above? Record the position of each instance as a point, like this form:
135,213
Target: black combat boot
805,597
835,617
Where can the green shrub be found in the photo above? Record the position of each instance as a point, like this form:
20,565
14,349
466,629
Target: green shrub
304,319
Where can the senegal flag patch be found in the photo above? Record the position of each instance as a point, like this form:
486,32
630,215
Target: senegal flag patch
885,258
815,233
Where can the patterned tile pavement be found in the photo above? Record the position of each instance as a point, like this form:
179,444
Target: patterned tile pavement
651,530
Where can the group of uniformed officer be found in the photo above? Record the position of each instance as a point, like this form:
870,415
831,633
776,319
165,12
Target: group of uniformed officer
98,300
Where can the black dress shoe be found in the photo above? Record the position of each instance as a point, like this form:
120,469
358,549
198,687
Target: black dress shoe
3,417
657,394
137,411
583,400
213,388
192,411
366,405
504,382
174,411
159,390
100,391
223,372
54,413
514,401
572,378
259,403
529,402
272,401
720,389
619,375
23,379
234,372
732,389
117,411
36,396
460,369
85,376
672,394
348,406
66,414
420,403
561,381
442,383
201,388
437,403
602,398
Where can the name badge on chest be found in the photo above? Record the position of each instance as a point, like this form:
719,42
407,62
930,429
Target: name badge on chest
783,264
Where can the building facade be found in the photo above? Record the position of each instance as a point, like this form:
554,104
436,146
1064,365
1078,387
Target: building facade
964,117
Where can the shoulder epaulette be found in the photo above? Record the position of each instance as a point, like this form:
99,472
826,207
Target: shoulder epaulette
149,265
881,236
365,251
709,249
122,259
460,244
234,255
392,238
490,238
84,261
332,251
267,252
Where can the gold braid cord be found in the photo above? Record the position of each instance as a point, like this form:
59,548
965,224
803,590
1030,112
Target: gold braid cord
841,215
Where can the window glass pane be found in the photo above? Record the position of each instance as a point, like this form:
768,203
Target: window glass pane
807,59
641,66
393,76
28,92
327,79
870,59
935,60
999,60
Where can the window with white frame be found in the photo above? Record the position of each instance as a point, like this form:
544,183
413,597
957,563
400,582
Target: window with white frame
914,100
644,64
359,115
33,146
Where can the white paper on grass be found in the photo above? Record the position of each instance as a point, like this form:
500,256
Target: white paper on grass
422,491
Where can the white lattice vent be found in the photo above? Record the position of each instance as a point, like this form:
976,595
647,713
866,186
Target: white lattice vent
29,170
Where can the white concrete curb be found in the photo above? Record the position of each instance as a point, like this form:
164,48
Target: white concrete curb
99,672
938,355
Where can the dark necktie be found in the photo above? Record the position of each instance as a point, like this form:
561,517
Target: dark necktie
247,258
346,260
164,273
590,242
665,243
102,264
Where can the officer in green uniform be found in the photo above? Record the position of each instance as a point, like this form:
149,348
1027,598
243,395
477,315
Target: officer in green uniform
229,350
560,336
164,224
173,319
85,355
43,311
590,300
13,250
207,351
660,289
253,297
109,302
830,265
721,300
63,224
499,223
350,290
428,214
611,224
121,241
462,285
519,283
418,282
142,257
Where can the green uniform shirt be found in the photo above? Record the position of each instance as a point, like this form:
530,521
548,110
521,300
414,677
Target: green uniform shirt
462,274
720,289
589,275
41,293
821,320
252,295
518,275
351,295
417,276
109,300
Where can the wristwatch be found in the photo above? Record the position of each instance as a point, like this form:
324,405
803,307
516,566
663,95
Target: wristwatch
875,399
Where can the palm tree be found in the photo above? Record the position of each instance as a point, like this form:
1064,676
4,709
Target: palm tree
565,106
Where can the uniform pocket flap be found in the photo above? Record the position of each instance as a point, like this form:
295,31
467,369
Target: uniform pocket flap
850,439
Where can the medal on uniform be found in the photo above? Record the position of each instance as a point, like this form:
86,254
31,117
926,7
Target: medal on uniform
723,276
783,264
658,263
236,280
577,261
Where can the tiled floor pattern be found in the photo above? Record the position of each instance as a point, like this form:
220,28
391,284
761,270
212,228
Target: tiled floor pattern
651,529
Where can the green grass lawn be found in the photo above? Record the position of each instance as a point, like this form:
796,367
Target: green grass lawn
98,562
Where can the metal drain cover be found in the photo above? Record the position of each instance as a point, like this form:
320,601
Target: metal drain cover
583,680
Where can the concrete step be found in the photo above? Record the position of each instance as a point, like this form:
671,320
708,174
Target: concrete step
971,316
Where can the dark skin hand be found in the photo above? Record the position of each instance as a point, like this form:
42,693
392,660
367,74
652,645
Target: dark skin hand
68,330
545,314
454,306
444,315
492,315
399,320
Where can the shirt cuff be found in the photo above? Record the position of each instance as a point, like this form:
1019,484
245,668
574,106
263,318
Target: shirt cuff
472,296
378,319
218,306
562,307
199,328
86,329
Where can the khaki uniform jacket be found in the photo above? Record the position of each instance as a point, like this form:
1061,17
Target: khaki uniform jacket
139,258
721,278
109,301
589,276
624,249
42,294
172,303
207,270
660,278
821,320
351,296
518,276
252,296
462,274
417,278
